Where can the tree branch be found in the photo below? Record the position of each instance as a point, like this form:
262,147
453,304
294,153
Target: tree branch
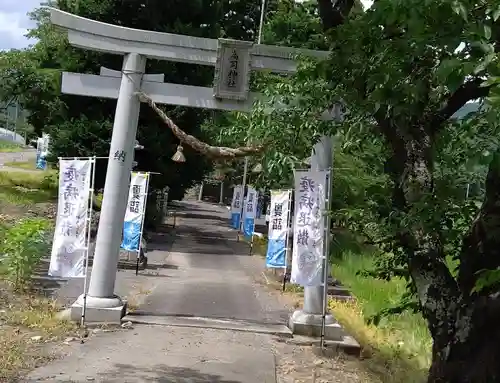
332,15
468,91
199,146
481,246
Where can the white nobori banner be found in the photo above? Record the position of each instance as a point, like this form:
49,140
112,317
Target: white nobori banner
136,209
236,206
279,219
249,212
309,227
69,247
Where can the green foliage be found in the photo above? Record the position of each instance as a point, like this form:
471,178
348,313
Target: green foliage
81,126
50,182
23,245
27,188
295,24
486,279
395,68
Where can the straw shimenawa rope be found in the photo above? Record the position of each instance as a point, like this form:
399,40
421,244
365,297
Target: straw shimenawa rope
199,146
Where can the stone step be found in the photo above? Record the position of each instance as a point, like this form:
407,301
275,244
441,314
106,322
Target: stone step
338,290
347,344
343,298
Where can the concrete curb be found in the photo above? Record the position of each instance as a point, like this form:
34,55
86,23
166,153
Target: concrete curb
216,324
347,345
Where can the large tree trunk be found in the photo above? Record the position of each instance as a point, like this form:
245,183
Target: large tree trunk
463,322
465,339
470,352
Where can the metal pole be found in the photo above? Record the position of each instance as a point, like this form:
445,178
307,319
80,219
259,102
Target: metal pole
102,281
89,225
287,240
15,122
326,244
200,193
243,187
261,24
259,39
142,224
288,227
7,119
221,195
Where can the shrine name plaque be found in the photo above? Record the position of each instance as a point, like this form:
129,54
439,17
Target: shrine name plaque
232,70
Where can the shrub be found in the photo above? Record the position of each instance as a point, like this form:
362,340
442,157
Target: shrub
50,182
23,246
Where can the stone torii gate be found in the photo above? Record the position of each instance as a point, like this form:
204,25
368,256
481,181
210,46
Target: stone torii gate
233,61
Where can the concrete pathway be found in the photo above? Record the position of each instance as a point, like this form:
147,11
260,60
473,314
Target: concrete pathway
28,155
211,275
206,319
21,156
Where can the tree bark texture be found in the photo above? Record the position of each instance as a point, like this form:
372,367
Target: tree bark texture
463,323
469,352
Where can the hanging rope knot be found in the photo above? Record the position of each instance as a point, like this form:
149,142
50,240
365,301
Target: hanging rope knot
199,146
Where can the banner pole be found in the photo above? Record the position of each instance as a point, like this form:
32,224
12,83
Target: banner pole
253,230
287,238
254,215
89,223
326,248
148,175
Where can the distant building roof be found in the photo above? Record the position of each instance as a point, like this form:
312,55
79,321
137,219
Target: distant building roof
467,109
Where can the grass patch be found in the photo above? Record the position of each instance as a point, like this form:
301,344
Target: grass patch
22,165
400,346
22,188
398,349
9,147
28,322
259,245
24,319
98,200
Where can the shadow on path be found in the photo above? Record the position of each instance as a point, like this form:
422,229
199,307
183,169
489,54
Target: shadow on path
211,217
197,240
159,373
236,319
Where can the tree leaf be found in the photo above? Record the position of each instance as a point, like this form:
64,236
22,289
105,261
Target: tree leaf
459,9
487,32
484,64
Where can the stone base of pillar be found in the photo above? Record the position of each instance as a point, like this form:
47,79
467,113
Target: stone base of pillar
305,324
99,310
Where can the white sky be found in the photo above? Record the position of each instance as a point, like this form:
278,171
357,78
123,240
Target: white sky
14,22
367,3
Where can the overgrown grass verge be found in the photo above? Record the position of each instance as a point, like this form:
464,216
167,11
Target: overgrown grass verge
22,165
27,324
398,349
23,188
9,147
